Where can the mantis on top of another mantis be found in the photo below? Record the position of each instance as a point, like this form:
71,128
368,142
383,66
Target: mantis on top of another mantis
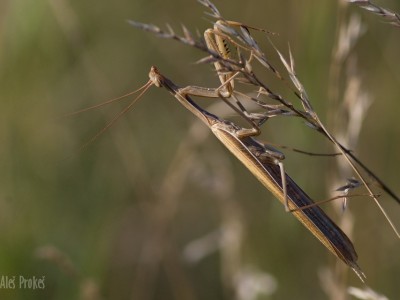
263,161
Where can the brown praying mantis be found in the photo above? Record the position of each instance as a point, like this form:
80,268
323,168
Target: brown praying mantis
264,163
261,160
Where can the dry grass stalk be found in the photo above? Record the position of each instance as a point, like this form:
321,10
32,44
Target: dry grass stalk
347,125
392,17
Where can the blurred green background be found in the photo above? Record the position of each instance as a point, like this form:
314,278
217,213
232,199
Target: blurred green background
156,208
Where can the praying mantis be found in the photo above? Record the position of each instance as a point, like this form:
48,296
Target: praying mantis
265,166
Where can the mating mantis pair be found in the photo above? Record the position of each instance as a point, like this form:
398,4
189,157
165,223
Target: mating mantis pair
264,162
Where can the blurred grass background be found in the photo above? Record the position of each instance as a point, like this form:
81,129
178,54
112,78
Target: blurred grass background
113,221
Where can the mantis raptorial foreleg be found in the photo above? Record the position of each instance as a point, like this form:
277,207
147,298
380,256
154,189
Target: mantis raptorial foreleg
216,41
